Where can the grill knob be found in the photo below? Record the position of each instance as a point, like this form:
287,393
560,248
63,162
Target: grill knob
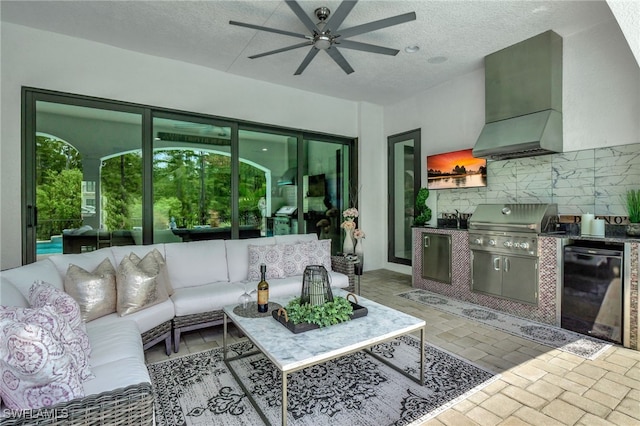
492,243
508,244
477,241
516,245
524,246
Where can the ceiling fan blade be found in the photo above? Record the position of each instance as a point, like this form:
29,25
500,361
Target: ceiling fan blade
295,7
376,25
340,60
365,47
271,30
284,49
337,17
307,59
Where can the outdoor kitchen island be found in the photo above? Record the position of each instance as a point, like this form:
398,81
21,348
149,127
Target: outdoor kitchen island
547,309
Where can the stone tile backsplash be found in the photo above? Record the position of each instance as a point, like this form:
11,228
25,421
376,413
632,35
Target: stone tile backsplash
588,181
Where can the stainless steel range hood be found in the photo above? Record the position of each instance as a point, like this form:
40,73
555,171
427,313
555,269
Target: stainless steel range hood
523,100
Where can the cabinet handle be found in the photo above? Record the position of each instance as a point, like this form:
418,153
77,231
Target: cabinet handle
496,264
426,242
507,264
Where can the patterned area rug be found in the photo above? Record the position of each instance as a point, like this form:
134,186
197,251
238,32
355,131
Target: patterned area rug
356,389
555,337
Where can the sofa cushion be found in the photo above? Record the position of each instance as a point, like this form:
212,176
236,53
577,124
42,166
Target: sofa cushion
138,286
205,298
10,295
88,261
44,294
295,238
36,369
145,319
54,322
113,341
23,277
195,263
116,375
238,256
272,256
94,291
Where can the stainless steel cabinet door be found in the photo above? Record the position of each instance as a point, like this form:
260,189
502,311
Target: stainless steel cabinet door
436,257
520,279
486,272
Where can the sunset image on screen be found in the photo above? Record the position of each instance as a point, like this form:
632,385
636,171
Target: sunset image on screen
457,169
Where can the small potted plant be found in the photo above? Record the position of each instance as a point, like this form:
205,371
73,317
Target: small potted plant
633,209
423,212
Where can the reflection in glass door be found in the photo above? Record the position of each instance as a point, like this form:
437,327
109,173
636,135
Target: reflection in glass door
404,183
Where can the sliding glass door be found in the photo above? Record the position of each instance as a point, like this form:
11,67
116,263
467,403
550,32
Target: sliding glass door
100,173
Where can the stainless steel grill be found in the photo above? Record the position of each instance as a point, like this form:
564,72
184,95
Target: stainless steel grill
503,239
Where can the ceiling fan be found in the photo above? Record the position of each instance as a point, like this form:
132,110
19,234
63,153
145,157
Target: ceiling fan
328,36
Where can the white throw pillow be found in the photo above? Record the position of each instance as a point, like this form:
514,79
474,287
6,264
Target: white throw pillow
36,368
319,253
54,322
272,256
44,294
295,259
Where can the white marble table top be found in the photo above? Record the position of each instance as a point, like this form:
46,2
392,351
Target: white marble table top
290,352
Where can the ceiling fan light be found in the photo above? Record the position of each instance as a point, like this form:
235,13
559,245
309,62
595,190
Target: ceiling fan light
412,49
322,42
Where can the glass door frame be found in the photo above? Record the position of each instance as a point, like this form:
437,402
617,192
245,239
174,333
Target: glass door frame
417,177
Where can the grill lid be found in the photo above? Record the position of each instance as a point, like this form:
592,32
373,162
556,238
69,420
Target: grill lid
535,218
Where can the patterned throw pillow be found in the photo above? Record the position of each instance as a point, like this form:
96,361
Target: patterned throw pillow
94,291
54,322
137,285
43,294
295,259
319,253
36,368
152,260
270,255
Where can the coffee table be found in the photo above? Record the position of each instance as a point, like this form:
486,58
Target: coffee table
291,352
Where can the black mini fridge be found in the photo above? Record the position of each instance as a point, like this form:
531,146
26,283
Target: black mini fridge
592,293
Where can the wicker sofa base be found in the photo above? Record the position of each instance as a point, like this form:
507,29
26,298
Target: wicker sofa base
158,334
132,405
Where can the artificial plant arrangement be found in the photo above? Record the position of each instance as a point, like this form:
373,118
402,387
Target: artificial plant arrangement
324,315
423,212
633,210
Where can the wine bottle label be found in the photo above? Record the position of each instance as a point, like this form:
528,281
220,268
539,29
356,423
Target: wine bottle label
263,297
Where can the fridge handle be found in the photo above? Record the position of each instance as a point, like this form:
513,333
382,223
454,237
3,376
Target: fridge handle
426,242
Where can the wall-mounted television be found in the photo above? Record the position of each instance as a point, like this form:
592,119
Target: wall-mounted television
457,169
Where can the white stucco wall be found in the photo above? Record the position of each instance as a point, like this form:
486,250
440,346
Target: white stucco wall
51,61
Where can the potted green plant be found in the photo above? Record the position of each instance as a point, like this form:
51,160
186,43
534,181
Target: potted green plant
299,317
633,209
423,212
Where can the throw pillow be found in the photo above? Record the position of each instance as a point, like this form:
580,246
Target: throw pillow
137,286
54,322
295,259
36,370
272,256
94,291
44,294
152,260
319,253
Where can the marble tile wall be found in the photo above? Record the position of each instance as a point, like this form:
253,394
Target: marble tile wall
587,181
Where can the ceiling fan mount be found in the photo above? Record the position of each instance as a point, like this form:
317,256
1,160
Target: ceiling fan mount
327,34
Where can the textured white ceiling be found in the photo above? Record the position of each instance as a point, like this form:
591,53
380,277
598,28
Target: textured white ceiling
199,33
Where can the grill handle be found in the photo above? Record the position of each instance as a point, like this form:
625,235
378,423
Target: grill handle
496,263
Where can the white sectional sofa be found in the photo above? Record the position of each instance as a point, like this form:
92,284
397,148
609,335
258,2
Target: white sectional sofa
205,276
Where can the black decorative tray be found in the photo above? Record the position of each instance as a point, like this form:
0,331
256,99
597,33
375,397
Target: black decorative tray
359,311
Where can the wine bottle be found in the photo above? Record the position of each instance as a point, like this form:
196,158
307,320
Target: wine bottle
263,290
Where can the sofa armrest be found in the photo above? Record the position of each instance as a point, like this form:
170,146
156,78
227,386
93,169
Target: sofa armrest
345,266
132,405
